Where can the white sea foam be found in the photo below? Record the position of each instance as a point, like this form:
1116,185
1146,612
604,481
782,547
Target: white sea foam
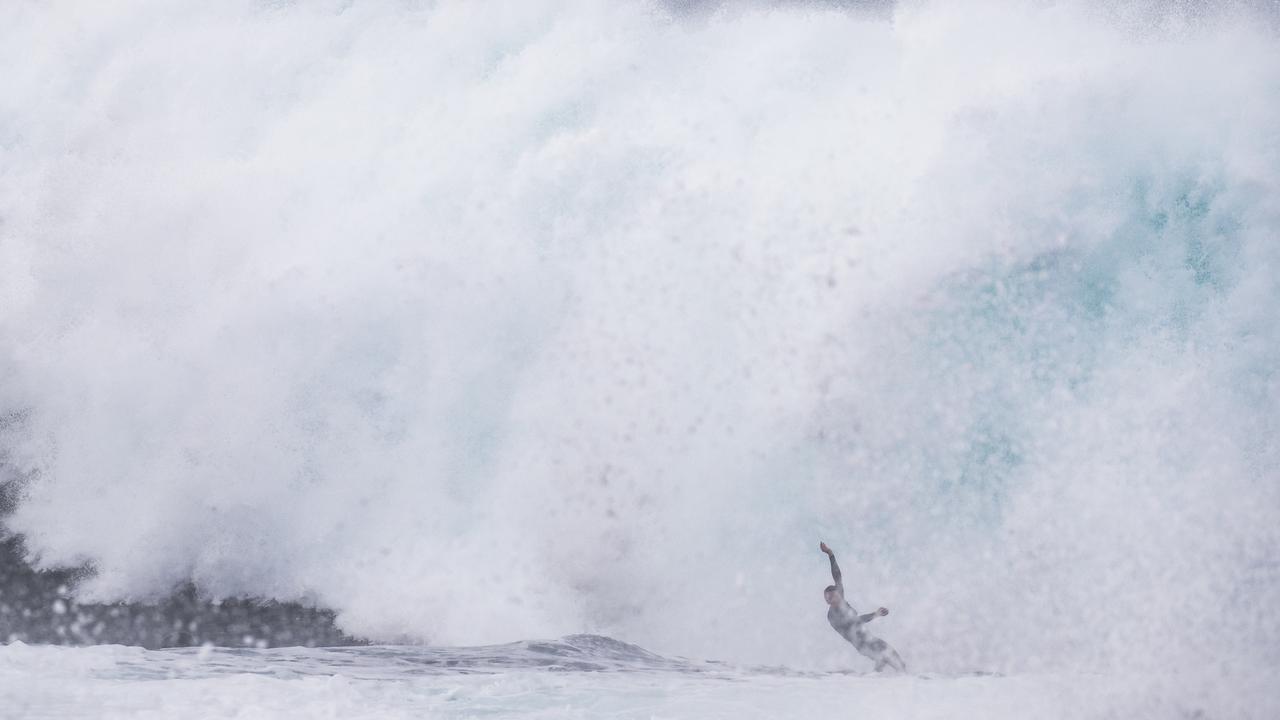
480,323
373,682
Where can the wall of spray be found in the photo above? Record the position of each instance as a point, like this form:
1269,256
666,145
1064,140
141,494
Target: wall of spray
478,326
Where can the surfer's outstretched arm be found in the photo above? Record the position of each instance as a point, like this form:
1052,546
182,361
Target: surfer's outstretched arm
873,615
835,569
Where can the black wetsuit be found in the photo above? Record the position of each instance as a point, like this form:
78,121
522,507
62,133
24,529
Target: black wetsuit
846,621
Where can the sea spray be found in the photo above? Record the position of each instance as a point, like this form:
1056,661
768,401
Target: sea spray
480,326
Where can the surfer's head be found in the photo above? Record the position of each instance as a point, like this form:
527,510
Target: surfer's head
832,595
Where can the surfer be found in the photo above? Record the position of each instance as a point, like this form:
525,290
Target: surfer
849,623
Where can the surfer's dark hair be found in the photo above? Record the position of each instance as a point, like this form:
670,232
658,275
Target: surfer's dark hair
830,588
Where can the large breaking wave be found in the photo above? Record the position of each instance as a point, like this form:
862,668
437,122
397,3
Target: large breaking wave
482,325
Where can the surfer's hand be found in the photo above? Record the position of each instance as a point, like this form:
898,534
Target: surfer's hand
823,547
883,611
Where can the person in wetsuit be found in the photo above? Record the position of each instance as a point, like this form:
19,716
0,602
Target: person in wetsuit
849,623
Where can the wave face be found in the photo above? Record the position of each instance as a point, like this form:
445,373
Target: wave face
478,326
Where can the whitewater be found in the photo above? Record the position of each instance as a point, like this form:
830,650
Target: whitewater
504,329
581,676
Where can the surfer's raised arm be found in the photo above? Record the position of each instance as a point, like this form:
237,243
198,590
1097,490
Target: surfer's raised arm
835,569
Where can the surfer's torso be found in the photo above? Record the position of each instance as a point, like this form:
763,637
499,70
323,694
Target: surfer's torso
845,620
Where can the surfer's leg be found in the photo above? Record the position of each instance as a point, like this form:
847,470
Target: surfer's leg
883,655
873,650
892,658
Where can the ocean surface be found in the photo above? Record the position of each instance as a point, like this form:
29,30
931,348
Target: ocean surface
436,324
581,676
